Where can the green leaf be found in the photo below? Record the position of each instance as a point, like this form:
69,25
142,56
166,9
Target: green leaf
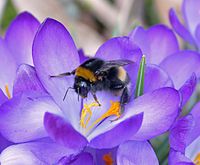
8,15
150,16
160,145
140,79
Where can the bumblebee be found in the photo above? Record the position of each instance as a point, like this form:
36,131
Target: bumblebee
96,75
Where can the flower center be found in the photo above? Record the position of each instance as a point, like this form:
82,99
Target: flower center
107,158
7,91
86,114
197,159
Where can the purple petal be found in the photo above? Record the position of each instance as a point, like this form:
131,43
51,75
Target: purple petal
27,81
180,66
187,89
197,32
159,42
20,35
82,56
133,152
180,132
21,118
191,14
123,131
160,109
179,28
4,143
177,158
34,153
7,67
63,133
119,48
197,35
54,52
163,42
139,37
83,157
3,98
155,78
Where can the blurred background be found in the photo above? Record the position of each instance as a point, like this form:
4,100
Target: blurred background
91,22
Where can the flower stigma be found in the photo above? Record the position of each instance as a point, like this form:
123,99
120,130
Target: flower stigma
107,158
7,91
86,114
197,159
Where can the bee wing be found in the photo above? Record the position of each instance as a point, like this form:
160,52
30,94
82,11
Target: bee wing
117,63
110,64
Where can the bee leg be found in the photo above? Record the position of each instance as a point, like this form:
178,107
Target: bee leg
67,92
63,74
124,99
95,98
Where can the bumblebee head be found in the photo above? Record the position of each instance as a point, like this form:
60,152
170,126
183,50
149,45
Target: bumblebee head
81,86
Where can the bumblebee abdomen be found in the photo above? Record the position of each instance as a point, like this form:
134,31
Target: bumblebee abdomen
122,74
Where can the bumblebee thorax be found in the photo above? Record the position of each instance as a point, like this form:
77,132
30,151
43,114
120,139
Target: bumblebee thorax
85,73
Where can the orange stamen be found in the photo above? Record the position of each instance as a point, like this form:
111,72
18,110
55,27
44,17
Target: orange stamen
113,111
86,112
107,158
197,159
7,91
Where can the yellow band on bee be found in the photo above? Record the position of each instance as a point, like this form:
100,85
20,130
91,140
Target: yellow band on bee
85,73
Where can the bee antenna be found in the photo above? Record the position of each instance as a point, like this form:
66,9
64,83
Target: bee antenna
67,92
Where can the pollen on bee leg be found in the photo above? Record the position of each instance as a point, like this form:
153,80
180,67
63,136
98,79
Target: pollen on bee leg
86,114
107,158
197,159
7,91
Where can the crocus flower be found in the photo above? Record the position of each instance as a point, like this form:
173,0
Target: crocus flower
15,49
54,52
46,45
190,29
185,139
